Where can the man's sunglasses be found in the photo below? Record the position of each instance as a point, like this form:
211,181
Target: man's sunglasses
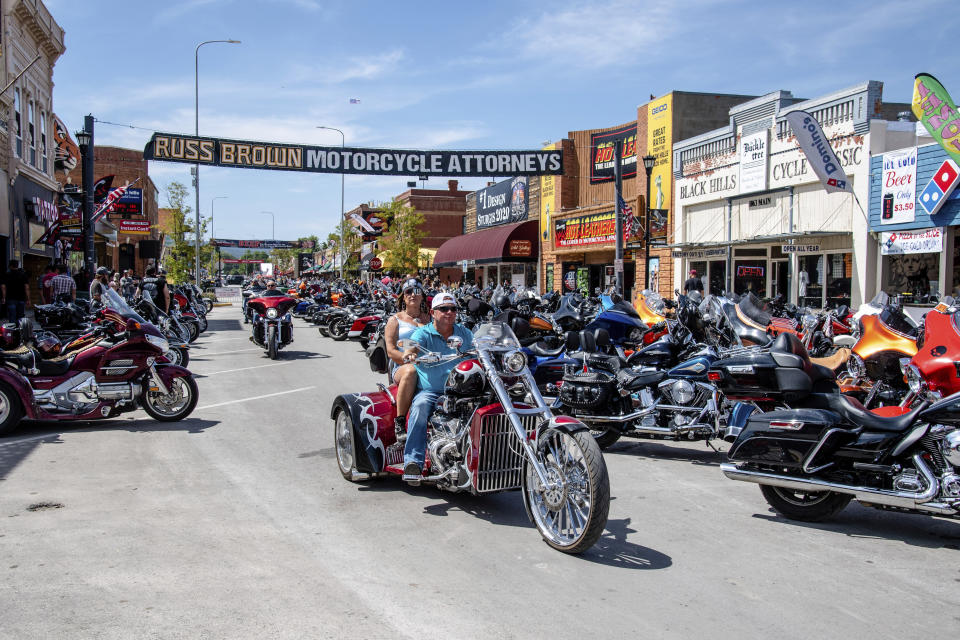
413,291
446,309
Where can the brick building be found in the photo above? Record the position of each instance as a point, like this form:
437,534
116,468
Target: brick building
125,247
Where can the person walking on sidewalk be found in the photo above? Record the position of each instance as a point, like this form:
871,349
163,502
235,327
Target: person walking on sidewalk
15,291
62,286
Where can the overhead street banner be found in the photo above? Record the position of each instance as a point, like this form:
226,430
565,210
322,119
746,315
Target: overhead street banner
261,244
248,154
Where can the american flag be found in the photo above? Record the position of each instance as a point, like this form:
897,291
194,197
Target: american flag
354,100
111,198
629,221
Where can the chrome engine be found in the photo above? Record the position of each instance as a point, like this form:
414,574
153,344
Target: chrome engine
82,393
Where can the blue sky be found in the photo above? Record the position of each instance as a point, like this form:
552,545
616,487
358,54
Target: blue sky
450,75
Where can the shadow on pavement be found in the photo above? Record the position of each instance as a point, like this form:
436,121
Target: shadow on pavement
614,550
222,325
865,522
31,434
653,450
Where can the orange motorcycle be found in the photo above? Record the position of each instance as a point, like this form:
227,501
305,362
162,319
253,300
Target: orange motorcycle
873,370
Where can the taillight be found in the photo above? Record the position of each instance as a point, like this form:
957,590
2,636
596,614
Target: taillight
714,376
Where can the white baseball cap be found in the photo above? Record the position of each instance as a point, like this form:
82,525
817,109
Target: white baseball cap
443,300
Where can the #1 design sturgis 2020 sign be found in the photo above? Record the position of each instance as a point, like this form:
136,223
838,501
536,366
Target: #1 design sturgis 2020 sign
221,152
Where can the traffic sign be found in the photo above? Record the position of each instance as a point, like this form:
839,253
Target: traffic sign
375,263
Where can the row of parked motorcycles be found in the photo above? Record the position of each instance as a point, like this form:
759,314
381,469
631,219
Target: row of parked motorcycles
819,407
95,360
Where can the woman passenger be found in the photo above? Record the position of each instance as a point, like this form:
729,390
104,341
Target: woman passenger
401,325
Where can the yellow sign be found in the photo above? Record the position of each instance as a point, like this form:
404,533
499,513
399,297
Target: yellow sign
660,145
548,203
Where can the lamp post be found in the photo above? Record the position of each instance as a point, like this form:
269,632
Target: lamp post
85,141
196,114
211,228
273,226
648,162
343,260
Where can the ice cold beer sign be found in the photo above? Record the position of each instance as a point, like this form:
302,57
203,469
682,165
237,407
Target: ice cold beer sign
247,154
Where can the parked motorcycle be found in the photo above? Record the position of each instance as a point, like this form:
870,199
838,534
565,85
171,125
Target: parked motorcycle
114,374
481,440
272,323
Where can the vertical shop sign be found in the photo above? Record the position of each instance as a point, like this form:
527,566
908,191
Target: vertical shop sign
660,146
548,204
601,148
899,186
753,162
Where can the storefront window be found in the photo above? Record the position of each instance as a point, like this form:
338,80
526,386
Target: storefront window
912,276
701,268
718,277
750,276
839,274
810,281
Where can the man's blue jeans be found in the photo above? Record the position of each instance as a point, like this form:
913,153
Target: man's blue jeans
420,410
15,310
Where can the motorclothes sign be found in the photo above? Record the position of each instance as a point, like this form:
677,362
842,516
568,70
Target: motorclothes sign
502,203
585,230
899,186
602,153
895,243
250,154
816,147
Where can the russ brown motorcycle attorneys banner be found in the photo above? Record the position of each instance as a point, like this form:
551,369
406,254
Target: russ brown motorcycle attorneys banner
248,154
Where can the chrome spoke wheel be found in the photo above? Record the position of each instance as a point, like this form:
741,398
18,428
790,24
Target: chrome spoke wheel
173,403
343,436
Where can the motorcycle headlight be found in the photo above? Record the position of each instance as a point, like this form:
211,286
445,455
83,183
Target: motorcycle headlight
514,362
810,320
159,342
912,376
271,313
856,369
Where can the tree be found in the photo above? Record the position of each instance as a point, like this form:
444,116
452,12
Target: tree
352,241
402,239
179,262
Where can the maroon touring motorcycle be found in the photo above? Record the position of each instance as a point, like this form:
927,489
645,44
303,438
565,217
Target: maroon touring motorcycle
491,431
121,368
272,322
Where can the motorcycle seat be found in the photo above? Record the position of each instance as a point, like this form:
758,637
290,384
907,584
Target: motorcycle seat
632,380
853,411
56,366
750,306
540,349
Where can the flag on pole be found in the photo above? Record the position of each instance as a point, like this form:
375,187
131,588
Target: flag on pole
934,107
111,198
816,147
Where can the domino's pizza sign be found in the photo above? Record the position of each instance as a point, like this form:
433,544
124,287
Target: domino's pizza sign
938,189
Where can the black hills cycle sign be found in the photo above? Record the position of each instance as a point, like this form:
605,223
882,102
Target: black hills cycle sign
247,154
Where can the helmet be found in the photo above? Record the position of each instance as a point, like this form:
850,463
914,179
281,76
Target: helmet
466,379
103,271
501,301
49,346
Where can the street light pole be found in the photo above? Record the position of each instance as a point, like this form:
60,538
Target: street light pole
273,226
85,140
343,260
196,168
648,162
211,229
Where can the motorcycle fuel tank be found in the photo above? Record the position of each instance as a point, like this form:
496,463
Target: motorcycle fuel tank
693,368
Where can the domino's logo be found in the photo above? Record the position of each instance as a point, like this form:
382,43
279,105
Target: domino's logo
839,184
943,182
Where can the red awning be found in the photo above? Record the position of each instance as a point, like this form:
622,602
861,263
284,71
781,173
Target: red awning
506,243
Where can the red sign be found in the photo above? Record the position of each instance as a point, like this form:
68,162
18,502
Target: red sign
594,229
135,227
520,248
375,263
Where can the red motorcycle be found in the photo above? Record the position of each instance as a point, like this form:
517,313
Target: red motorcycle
115,373
934,370
272,321
481,439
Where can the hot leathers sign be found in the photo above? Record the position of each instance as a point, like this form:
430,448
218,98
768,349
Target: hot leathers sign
602,148
502,203
221,152
576,232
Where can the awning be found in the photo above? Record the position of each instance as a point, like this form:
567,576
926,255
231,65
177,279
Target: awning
506,243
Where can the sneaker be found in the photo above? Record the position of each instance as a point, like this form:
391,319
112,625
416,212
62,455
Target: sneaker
411,473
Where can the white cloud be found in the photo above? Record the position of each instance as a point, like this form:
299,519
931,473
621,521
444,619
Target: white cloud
176,11
337,72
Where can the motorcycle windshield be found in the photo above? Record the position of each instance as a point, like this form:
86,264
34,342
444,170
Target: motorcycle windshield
654,302
113,300
495,336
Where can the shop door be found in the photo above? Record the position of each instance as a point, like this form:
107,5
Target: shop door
717,277
126,257
750,276
780,283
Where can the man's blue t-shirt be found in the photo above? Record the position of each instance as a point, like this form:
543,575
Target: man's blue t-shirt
433,377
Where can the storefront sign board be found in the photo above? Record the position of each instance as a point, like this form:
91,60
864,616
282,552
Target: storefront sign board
520,249
939,188
548,203
135,227
753,161
602,150
701,253
660,146
502,203
585,230
899,186
902,242
800,248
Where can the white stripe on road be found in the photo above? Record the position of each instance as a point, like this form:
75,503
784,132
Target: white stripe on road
221,353
269,395
259,366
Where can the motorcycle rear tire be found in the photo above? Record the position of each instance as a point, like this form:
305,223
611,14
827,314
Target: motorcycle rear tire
193,331
11,409
605,438
178,356
816,507
343,444
598,488
272,349
339,330
208,303
192,389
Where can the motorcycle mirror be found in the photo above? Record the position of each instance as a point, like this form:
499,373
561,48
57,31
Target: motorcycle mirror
455,342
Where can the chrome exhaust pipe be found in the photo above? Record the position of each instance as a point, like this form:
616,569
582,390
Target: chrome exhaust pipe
885,497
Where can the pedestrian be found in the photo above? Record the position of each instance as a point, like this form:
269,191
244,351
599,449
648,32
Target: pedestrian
128,285
63,286
100,284
115,281
693,283
15,290
45,292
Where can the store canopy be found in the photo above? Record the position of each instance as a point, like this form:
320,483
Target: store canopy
506,243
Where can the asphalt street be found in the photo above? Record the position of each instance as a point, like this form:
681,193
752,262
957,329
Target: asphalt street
236,523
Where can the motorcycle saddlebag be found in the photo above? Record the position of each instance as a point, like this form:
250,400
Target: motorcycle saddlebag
789,437
587,390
